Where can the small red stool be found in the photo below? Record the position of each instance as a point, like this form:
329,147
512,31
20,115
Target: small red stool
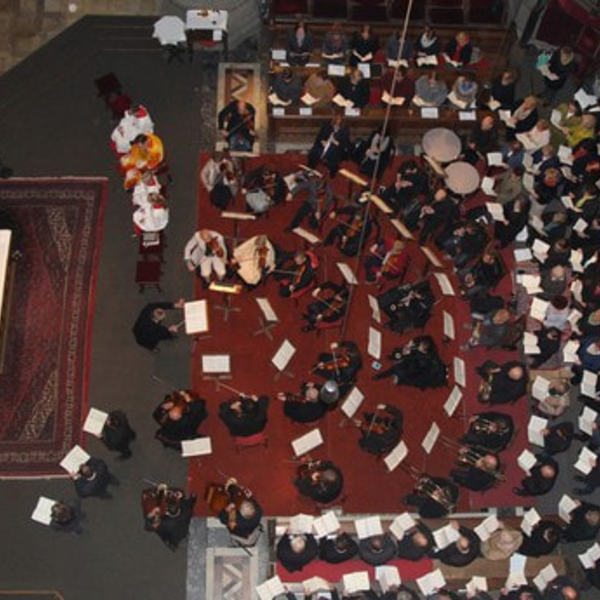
258,439
148,273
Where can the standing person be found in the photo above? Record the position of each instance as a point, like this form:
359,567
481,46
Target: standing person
93,478
206,253
149,329
117,433
67,516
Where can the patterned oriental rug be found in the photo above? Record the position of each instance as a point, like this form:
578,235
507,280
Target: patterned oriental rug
43,387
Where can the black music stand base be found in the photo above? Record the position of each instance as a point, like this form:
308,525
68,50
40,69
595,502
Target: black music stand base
226,307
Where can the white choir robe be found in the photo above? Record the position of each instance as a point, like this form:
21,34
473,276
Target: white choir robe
130,126
151,218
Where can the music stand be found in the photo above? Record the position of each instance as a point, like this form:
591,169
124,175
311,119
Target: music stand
282,358
268,320
196,320
237,217
227,289
216,367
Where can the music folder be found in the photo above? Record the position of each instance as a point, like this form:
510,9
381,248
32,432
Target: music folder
314,584
198,447
586,460
477,584
76,457
544,577
368,527
590,556
42,513
95,421
526,460
401,524
396,456
307,442
587,420
326,524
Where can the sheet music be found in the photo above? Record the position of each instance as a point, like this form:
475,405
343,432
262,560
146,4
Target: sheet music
540,387
396,456
585,461
592,554
336,70
530,343
467,115
352,111
487,186
196,316
368,527
444,536
431,582
431,438
586,420
428,112
488,526
565,155
275,100
355,582
347,273
444,284
374,348
530,282
401,524
496,210
326,524
311,238
283,356
565,507
494,159
570,351
314,584
449,331
573,318
456,100
402,230
535,427
538,309
523,254
365,69
229,214
584,99
580,225
589,384
95,421
307,442
477,584
393,100
515,580
431,256
526,460
352,402
398,63
76,457
537,223
528,182
388,577
460,375
430,59
544,577
540,249
530,519
517,563
270,588
278,111
567,202
374,305
42,513
301,524
267,310
576,289
308,99
198,447
453,401
216,363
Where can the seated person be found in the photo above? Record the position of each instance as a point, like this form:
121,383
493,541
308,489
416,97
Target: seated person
468,240
355,89
246,415
146,153
437,217
402,194
544,158
255,259
392,48
320,480
462,552
483,276
525,591
236,123
243,513
329,306
225,185
556,401
287,88
363,46
417,364
295,551
523,117
179,415
381,430
501,544
491,330
430,90
305,407
321,88
459,49
316,205
537,137
399,92
477,469
491,430
263,188
331,145
389,258
554,281
464,92
347,232
502,383
407,306
509,185
297,275
416,544
213,168
373,154
339,549
117,433
435,497
206,252
590,481
558,437
428,43
335,46
502,92
482,139
541,477
299,45
341,364
377,549
584,524
543,539
149,329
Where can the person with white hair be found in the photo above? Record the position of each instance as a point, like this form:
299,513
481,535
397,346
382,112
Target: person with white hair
206,253
295,551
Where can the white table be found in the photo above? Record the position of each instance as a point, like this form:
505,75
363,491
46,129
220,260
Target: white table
441,144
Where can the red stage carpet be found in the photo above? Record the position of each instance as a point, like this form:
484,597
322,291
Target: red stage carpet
269,471
43,389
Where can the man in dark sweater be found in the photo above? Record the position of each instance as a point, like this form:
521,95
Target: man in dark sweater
416,543
377,549
92,479
296,551
117,433
246,415
338,549
149,328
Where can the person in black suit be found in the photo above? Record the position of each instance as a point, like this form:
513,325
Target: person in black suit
355,88
341,364
304,407
300,44
523,592
179,416
246,415
590,481
347,233
416,544
561,588
329,307
541,477
558,437
320,480
67,516
544,537
381,430
295,551
299,274
584,524
93,479
593,575
477,468
243,520
117,433
236,123
502,383
377,549
492,430
331,145
338,549
435,497
149,329
462,552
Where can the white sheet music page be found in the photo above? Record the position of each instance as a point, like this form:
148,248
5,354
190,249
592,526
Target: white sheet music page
565,507
216,363
198,447
544,577
460,375
76,457
42,513
301,524
283,355
196,316
374,348
526,460
540,387
444,284
311,238
535,430
396,456
368,527
267,310
477,584
428,112
402,229
326,524
95,421
488,526
270,588
586,460
347,273
538,308
388,577
530,519
352,402
374,305
444,536
401,524
314,584
453,401
355,582
431,438
586,420
307,442
449,330
431,582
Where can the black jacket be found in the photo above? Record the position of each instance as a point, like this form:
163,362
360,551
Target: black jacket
147,333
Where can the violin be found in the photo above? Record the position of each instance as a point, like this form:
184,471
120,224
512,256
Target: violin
215,247
334,307
218,497
299,273
155,501
179,403
308,470
340,360
263,251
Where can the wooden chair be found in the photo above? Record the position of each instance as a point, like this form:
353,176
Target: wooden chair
250,441
148,273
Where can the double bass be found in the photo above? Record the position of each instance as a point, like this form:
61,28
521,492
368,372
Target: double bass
218,497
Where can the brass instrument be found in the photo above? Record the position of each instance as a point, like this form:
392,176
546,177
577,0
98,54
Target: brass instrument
427,487
485,389
483,426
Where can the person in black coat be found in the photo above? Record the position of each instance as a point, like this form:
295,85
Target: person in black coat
246,415
331,145
593,575
492,430
544,538
329,306
295,551
179,416
300,273
590,481
363,44
416,544
241,521
516,213
320,480
435,497
558,438
438,217
477,469
502,383
93,479
503,89
584,524
175,523
541,478
347,233
300,44
304,407
462,552
67,516
482,139
561,588
377,549
117,434
341,364
528,592
381,430
236,123
149,328
355,88
407,306
338,549
459,48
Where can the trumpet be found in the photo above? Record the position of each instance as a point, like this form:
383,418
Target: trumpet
481,425
427,487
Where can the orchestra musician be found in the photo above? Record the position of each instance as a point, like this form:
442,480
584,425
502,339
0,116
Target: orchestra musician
435,497
236,123
381,430
214,167
263,188
331,301
254,259
417,543
320,480
331,145
478,469
145,154
389,258
463,551
246,415
317,204
347,233
341,364
179,416
206,253
337,550
168,513
407,306
226,184
492,430
501,383
296,276
304,407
